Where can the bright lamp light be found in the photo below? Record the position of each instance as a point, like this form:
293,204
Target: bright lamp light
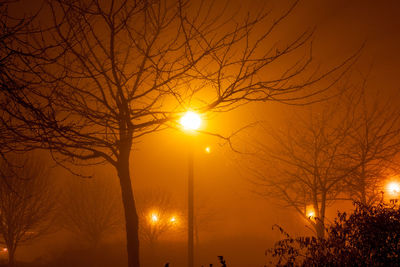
394,188
154,218
190,121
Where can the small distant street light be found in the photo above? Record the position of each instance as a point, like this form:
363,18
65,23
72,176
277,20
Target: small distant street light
154,218
190,121
173,219
208,150
310,212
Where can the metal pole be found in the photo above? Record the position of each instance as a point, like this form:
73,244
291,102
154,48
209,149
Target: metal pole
190,203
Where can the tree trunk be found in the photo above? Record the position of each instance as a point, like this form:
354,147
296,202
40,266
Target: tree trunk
196,232
363,196
131,216
320,228
320,223
363,184
11,256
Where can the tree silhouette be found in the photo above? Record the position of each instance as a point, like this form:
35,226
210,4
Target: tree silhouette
90,209
159,215
11,28
305,164
374,144
108,73
339,151
26,201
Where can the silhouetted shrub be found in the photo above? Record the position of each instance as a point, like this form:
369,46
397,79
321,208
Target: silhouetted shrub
370,236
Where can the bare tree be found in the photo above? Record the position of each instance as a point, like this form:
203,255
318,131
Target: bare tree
26,201
374,144
305,165
10,28
109,72
341,154
90,209
206,216
158,214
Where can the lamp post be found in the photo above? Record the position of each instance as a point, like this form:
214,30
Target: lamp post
190,122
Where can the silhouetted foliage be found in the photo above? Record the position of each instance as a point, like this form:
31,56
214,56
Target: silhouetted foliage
367,237
222,261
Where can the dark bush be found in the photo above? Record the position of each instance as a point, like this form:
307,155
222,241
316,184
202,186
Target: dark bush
370,236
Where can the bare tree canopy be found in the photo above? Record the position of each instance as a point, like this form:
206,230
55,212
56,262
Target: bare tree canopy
158,213
374,144
26,201
160,216
306,164
130,67
340,151
11,29
91,209
103,73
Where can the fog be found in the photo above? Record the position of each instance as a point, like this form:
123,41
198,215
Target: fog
236,213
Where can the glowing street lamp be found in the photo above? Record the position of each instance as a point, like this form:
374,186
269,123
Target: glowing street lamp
154,218
172,219
310,212
394,190
190,121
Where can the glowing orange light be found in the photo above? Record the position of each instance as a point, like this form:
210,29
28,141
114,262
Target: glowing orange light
173,219
393,188
208,149
190,121
5,249
310,212
154,218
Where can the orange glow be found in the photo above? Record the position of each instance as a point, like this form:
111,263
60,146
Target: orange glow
154,218
310,212
173,219
208,150
5,249
393,188
190,121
